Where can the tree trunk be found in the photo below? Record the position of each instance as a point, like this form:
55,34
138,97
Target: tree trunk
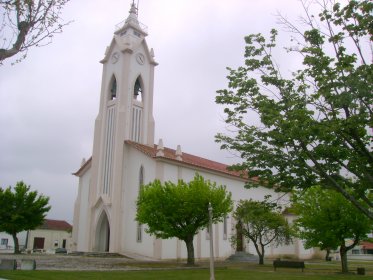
261,255
190,249
327,255
16,245
261,259
343,254
258,251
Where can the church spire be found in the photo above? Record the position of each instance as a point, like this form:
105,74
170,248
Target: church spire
132,22
133,14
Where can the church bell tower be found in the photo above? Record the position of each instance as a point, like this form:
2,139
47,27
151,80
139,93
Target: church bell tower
125,114
126,102
127,84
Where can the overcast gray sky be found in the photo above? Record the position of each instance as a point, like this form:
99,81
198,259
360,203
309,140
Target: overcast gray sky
50,100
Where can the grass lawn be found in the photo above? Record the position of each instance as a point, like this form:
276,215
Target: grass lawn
227,271
231,274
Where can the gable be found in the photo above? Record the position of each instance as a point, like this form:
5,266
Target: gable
83,168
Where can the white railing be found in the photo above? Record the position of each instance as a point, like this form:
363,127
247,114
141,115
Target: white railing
121,24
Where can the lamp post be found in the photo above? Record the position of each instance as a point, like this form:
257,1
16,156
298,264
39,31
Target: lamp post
212,276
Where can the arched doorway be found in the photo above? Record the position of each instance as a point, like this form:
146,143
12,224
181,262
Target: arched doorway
103,233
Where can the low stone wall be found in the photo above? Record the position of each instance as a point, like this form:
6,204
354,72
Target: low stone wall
28,264
363,257
8,264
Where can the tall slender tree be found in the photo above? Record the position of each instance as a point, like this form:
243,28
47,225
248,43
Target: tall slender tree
316,125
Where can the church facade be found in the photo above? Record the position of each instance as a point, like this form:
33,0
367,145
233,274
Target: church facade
125,157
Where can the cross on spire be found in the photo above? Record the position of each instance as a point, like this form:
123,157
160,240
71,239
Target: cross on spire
134,9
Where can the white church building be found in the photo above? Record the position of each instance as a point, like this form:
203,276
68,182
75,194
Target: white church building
125,157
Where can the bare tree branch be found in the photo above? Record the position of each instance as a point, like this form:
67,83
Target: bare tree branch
27,24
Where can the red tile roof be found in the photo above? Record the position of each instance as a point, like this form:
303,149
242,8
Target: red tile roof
187,159
56,225
366,245
170,154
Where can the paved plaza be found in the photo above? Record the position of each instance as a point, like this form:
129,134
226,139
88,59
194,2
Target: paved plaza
66,262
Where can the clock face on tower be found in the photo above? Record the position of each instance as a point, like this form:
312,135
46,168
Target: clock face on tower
114,57
140,58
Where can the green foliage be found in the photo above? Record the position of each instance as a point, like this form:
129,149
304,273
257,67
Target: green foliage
326,220
316,125
368,239
21,210
181,210
263,224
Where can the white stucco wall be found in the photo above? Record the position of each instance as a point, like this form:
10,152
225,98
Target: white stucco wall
9,248
81,226
133,161
171,248
53,239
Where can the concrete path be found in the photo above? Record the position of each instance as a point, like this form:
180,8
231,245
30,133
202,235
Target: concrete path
66,262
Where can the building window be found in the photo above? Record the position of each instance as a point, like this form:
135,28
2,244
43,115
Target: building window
4,241
139,233
225,227
141,177
38,243
55,243
139,226
137,111
137,91
136,123
113,88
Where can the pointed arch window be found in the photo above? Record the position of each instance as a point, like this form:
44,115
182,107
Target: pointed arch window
137,111
137,91
113,88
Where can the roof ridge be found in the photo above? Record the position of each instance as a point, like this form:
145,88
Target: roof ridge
187,158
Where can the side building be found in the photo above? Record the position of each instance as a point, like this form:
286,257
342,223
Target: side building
48,237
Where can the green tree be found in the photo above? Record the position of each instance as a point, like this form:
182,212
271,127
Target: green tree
263,225
21,210
327,220
315,126
28,23
181,210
